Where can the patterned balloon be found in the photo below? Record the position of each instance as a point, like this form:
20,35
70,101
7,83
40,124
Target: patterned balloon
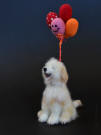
50,17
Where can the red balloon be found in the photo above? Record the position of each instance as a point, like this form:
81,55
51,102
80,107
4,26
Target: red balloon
50,17
65,12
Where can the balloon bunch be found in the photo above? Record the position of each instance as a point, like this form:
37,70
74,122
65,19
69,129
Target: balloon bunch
62,26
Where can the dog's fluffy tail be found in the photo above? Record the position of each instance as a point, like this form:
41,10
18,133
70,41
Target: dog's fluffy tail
77,103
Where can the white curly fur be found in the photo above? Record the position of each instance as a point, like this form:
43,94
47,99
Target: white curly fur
57,105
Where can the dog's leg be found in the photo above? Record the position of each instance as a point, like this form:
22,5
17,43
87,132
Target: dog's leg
44,112
55,114
42,115
68,114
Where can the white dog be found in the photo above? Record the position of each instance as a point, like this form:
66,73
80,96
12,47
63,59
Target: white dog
57,105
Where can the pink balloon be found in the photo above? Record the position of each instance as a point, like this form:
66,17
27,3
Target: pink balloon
58,26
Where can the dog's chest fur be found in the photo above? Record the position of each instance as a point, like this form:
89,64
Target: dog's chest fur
59,93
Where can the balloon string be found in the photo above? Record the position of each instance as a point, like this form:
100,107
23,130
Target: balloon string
60,44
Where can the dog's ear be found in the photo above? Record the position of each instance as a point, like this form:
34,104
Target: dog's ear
64,74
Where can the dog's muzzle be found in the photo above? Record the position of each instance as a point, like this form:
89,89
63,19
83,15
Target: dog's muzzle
45,72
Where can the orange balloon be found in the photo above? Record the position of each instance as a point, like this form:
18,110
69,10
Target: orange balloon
71,27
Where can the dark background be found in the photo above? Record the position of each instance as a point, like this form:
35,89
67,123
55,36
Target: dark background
25,45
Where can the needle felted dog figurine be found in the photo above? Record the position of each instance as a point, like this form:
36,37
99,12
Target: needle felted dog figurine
57,105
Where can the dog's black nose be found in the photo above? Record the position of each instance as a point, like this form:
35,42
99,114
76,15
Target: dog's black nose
45,69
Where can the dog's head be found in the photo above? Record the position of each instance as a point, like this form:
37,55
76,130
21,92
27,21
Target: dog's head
54,71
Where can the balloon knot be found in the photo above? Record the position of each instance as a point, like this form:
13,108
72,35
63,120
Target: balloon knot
60,36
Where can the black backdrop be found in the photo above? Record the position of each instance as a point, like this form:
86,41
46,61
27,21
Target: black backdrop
25,45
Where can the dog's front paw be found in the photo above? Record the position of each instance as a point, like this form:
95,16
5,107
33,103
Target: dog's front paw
65,118
53,119
42,116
